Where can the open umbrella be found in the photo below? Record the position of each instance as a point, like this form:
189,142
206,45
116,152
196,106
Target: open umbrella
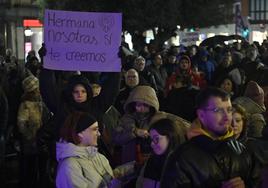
220,39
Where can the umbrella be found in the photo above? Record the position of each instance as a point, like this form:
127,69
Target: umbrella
220,39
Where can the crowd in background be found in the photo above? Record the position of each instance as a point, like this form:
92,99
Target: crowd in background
156,87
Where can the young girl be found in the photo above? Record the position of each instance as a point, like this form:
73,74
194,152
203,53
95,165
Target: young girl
164,138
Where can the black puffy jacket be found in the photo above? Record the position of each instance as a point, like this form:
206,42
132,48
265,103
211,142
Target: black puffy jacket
203,162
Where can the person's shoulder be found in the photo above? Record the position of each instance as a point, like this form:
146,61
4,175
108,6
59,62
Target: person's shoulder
184,151
69,163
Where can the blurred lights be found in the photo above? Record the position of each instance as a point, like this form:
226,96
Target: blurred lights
28,32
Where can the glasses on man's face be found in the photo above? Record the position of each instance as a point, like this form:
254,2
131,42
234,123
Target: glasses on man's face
229,110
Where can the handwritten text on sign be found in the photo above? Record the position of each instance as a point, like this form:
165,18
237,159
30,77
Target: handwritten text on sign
82,41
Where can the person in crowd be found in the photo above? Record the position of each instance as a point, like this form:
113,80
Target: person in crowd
139,64
237,54
253,102
239,122
131,81
79,162
164,136
8,55
228,85
76,95
33,65
205,65
3,130
171,64
32,114
192,52
159,73
212,157
185,69
96,89
225,65
141,110
181,99
251,64
145,76
109,121
30,55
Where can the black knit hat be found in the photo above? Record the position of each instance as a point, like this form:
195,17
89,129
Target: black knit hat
85,121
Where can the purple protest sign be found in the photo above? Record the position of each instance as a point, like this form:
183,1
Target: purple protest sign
84,41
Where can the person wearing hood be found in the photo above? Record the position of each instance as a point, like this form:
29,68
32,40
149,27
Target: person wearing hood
141,110
205,65
212,157
185,69
253,102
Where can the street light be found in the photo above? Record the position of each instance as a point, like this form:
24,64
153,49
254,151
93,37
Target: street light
28,32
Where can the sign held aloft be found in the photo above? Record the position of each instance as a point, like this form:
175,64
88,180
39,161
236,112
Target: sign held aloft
83,41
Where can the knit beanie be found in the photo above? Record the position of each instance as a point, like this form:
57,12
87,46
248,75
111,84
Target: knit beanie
85,121
255,93
30,83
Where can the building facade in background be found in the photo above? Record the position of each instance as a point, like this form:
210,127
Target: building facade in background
20,28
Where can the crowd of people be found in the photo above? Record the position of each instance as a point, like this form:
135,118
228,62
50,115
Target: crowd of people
173,117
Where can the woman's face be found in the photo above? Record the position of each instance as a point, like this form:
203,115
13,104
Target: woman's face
159,142
139,64
184,64
89,136
227,85
142,107
237,124
79,93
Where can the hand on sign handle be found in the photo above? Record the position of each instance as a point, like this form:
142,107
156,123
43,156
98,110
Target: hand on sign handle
120,52
42,52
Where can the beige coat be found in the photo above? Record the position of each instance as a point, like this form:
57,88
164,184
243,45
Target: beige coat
124,135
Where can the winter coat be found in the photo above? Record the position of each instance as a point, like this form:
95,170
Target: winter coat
252,69
208,68
30,119
81,167
151,172
256,121
181,102
96,106
204,161
160,76
197,79
124,133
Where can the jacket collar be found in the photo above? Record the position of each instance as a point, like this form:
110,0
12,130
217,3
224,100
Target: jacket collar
196,130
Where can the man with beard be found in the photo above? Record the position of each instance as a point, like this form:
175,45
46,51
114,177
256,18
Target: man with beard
211,157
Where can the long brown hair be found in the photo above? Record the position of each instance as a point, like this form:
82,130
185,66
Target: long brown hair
68,131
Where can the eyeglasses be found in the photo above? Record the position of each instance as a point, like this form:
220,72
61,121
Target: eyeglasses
220,110
156,139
